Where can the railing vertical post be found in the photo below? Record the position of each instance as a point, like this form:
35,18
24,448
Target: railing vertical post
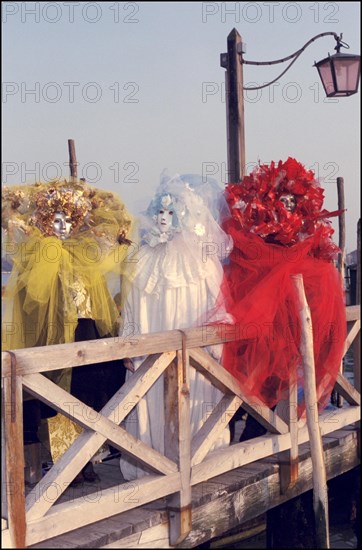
341,227
342,254
288,460
177,444
356,346
14,458
320,490
357,341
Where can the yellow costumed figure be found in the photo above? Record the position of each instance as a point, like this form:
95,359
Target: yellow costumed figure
64,239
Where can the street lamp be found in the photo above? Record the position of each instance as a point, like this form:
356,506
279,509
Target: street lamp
339,74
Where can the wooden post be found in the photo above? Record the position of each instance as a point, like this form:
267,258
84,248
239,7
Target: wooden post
72,160
14,459
341,228
320,489
277,517
356,346
232,62
357,341
177,444
358,278
342,254
288,460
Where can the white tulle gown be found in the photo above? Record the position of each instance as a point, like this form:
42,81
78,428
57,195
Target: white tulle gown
173,287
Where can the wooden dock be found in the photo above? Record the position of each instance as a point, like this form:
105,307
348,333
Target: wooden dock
218,505
194,494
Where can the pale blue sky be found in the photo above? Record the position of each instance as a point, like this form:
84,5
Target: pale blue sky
139,88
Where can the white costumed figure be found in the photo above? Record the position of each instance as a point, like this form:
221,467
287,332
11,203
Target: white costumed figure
176,284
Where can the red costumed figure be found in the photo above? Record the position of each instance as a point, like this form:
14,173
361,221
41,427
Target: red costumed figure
280,229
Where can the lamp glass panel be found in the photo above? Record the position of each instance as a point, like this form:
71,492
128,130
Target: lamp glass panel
326,77
347,73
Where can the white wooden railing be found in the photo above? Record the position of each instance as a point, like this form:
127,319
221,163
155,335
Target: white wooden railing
187,462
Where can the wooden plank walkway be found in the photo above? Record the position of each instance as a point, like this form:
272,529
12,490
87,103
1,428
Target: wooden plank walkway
218,505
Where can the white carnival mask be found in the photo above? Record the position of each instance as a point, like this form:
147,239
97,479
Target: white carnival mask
289,201
164,220
62,225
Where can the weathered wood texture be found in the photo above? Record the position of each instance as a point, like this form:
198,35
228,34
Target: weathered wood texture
224,381
288,460
107,502
357,341
48,358
353,313
218,505
177,444
320,495
73,166
342,253
235,108
14,459
341,227
48,514
89,441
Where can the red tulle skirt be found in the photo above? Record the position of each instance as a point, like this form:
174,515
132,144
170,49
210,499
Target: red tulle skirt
265,356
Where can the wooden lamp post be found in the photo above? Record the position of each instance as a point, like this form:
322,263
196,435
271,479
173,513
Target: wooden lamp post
339,73
340,77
